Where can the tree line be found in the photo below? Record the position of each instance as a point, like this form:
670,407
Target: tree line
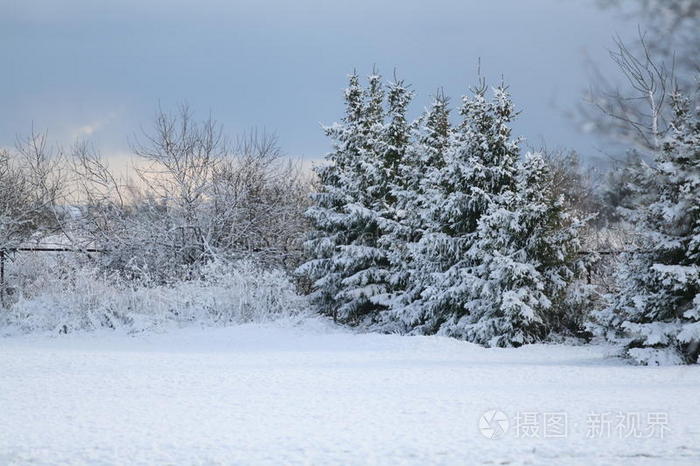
435,227
442,224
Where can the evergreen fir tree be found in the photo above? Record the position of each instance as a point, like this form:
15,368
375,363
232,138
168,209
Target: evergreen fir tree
392,215
525,257
363,261
659,302
479,164
350,262
333,226
425,228
416,192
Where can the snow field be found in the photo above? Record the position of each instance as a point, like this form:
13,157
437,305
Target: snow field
314,394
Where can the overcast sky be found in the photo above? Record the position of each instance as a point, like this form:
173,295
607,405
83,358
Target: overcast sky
99,68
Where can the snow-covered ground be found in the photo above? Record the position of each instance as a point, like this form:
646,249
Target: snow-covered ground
314,394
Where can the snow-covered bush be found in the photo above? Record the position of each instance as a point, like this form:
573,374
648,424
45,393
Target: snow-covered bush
59,295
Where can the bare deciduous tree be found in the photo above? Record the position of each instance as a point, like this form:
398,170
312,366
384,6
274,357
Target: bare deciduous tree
673,28
31,185
260,199
635,115
195,197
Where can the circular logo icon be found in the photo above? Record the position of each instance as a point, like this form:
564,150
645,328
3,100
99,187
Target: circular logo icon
493,424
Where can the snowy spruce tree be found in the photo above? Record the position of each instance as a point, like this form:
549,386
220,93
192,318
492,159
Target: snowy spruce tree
363,261
498,251
524,258
480,163
658,306
392,215
334,226
351,264
416,193
428,228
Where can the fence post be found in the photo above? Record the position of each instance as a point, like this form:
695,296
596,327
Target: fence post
2,278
